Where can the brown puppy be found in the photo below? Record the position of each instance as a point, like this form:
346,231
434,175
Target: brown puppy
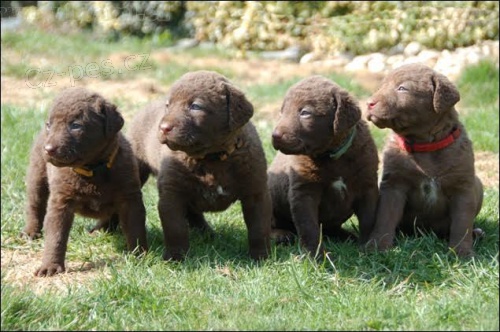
81,163
326,167
428,179
206,154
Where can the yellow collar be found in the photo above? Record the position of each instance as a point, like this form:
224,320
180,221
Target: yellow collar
223,155
89,171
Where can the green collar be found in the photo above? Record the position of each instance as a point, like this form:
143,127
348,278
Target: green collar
336,154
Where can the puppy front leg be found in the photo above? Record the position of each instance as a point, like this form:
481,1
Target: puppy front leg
173,213
257,212
57,224
132,215
304,206
37,189
390,210
366,209
463,207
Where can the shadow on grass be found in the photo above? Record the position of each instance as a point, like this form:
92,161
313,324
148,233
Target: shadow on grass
418,260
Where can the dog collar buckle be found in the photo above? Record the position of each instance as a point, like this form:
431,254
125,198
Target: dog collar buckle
223,155
89,171
83,171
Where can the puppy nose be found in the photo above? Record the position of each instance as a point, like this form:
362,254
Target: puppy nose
277,134
166,127
371,103
50,149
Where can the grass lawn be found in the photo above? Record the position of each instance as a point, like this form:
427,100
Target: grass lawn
418,285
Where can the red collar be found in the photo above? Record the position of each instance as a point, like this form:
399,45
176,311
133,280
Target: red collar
408,146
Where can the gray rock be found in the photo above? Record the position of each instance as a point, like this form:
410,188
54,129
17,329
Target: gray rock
293,53
412,48
184,44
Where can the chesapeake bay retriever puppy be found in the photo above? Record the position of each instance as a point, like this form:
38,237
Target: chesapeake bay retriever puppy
206,154
326,167
428,179
81,163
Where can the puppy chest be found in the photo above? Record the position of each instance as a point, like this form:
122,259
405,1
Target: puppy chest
212,198
336,192
338,188
427,194
94,203
335,200
214,192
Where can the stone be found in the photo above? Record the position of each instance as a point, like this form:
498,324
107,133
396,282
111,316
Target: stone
412,48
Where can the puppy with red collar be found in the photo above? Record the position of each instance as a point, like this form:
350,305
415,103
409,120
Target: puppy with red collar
428,178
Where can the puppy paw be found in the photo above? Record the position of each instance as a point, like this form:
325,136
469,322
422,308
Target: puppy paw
30,234
316,252
258,254
173,256
47,270
281,236
321,255
463,251
375,244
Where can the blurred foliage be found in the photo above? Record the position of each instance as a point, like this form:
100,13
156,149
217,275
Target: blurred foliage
325,27
113,18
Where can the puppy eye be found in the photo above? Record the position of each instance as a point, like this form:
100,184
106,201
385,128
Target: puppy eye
47,126
195,107
402,88
75,126
305,114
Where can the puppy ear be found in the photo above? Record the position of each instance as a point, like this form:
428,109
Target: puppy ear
239,108
347,112
114,120
446,94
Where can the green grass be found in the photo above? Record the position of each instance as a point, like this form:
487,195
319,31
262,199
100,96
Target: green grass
263,94
64,44
63,47
97,50
478,86
418,285
482,127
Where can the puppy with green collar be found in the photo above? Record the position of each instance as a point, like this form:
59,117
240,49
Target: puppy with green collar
326,168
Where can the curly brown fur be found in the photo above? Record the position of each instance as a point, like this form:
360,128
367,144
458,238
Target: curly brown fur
207,154
82,133
432,191
312,189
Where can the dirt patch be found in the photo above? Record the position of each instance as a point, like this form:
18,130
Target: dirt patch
487,168
247,71
18,267
128,95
